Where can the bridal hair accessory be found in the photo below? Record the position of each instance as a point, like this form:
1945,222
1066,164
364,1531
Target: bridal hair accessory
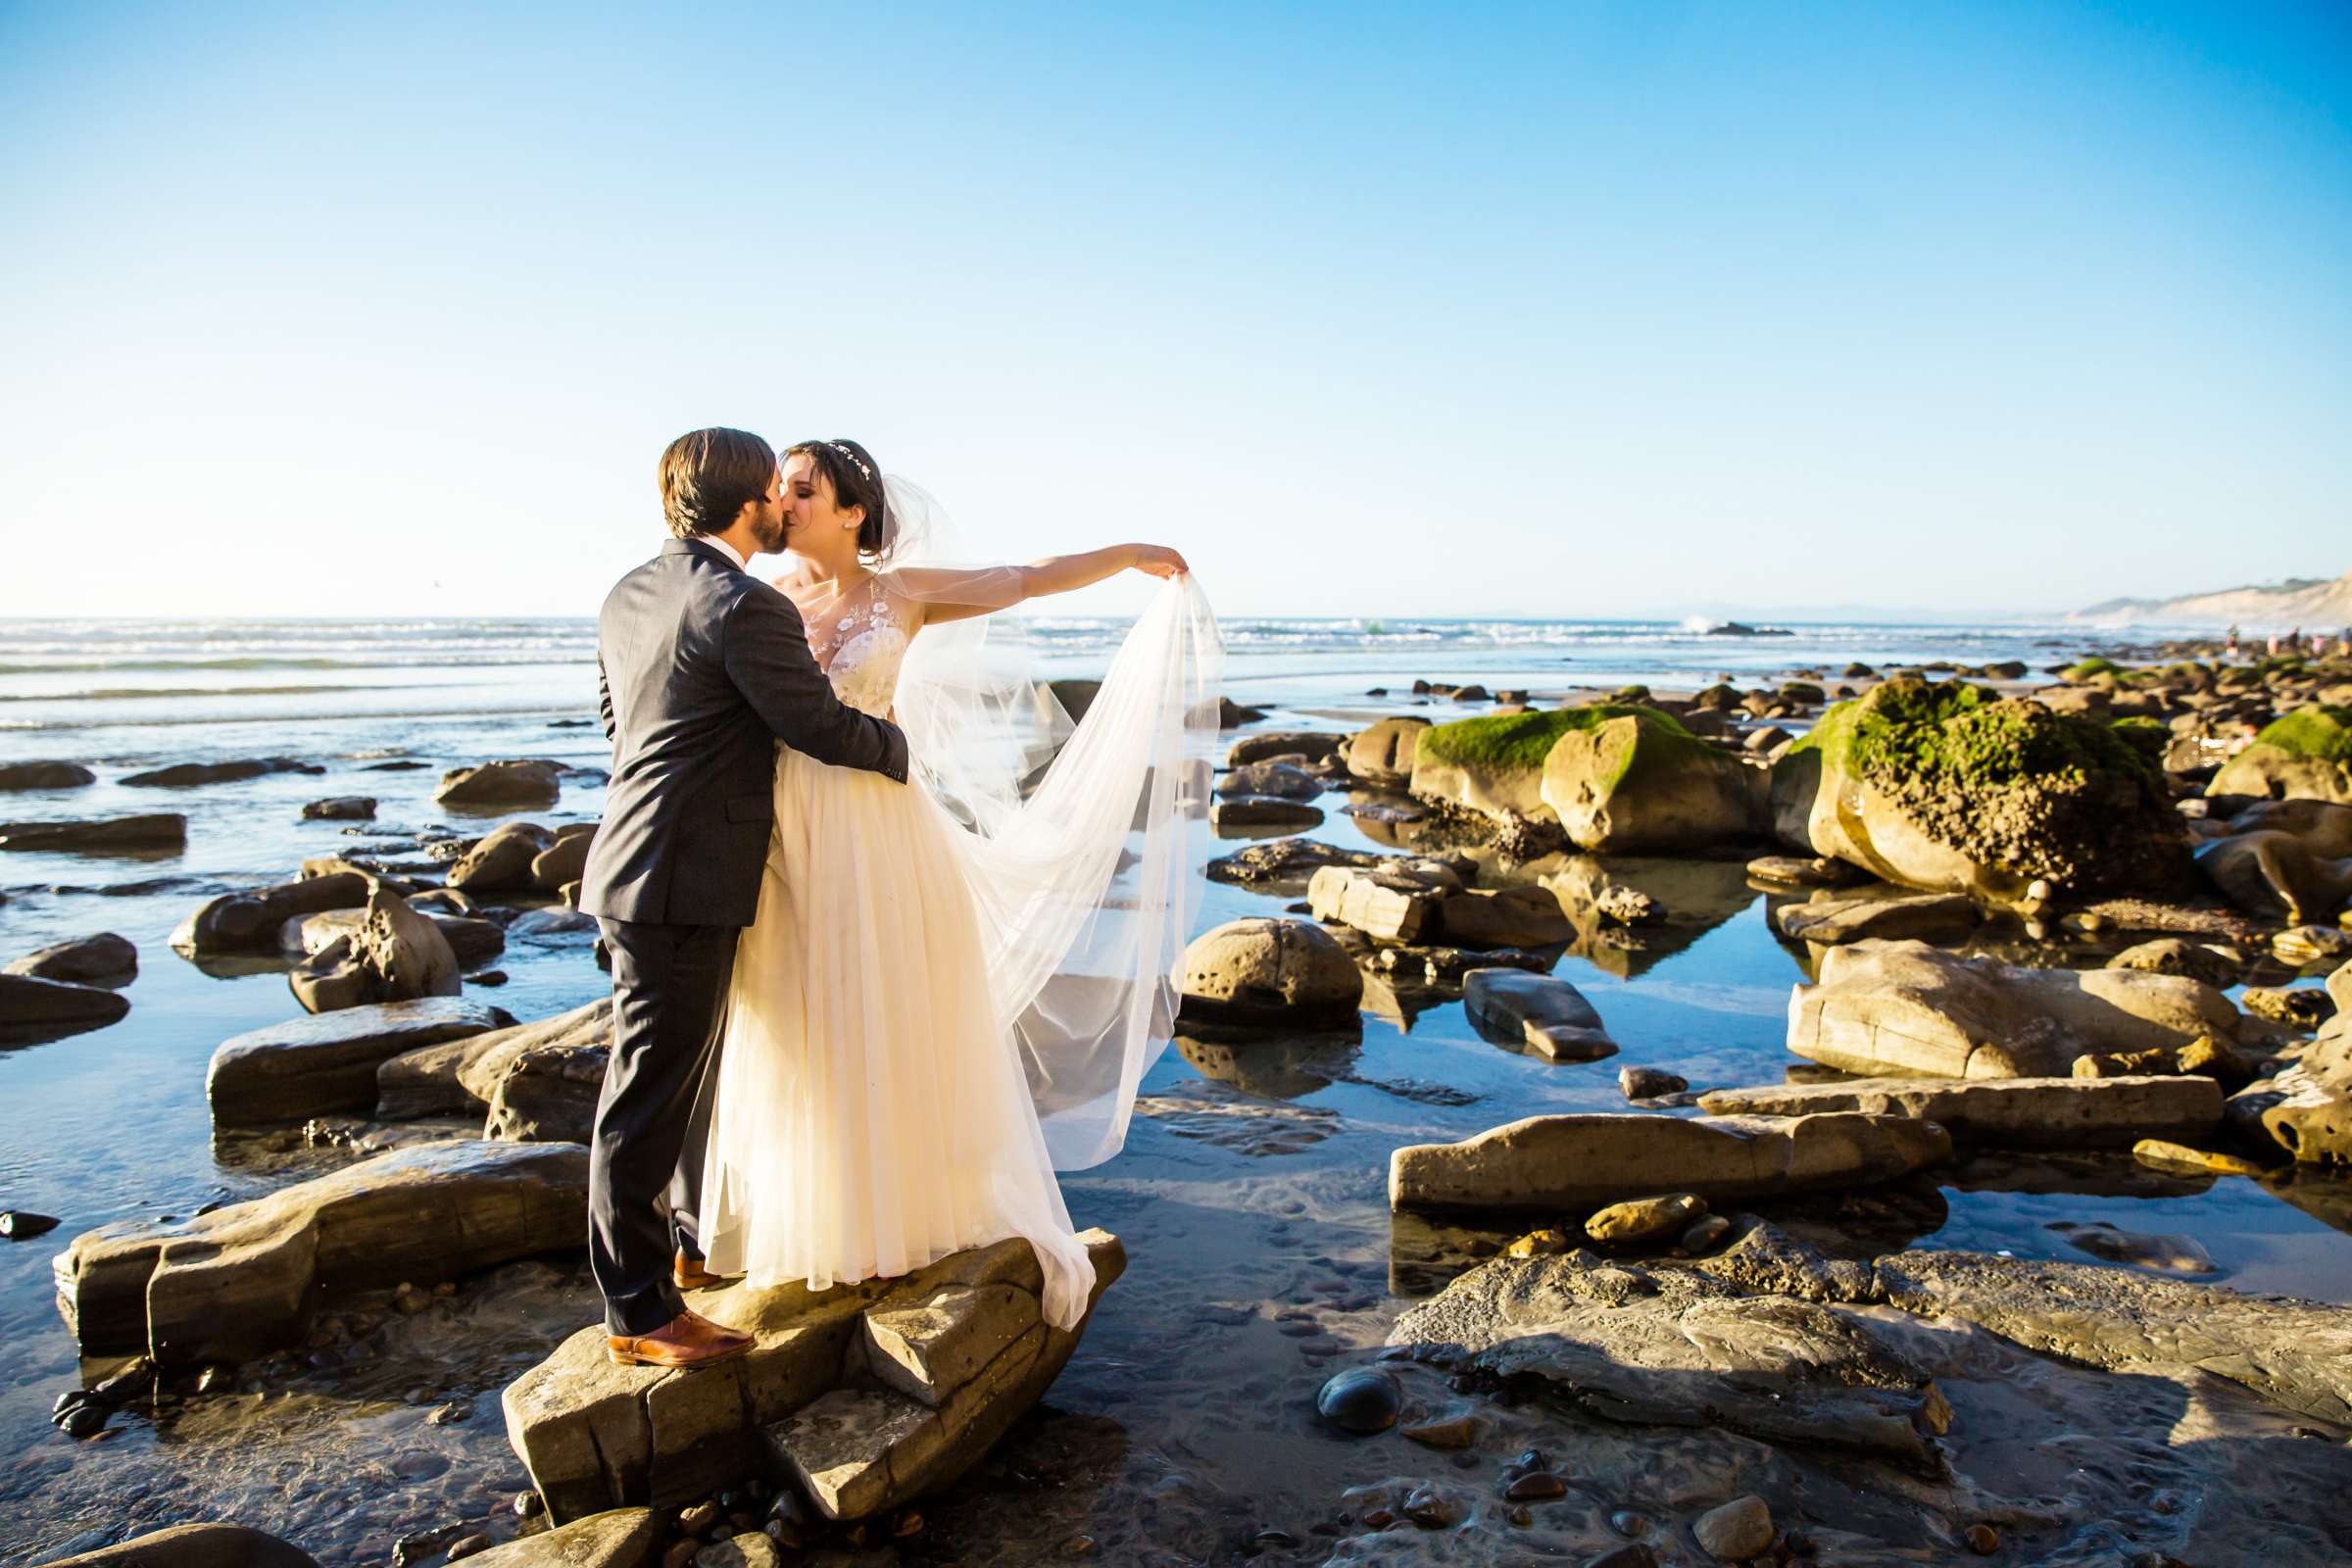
853,460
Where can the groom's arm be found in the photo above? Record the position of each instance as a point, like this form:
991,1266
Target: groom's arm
767,655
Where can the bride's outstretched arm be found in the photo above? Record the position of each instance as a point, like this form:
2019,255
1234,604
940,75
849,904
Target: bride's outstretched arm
948,594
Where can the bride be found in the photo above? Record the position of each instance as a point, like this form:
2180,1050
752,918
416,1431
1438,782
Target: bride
952,986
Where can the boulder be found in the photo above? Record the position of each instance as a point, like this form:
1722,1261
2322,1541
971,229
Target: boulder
2306,1108
327,1064
44,776
118,835
474,941
340,809
2172,956
1282,865
869,1394
503,861
187,775
618,1538
1274,780
2275,875
1074,697
1583,1161
198,1545
242,1280
1804,871
462,1076
103,960
554,928
520,785
1642,782
1495,765
249,923
34,1010
1945,788
2004,1112
1263,970
566,861
1386,903
1920,916
1383,753
1315,745
1539,1012
541,1083
2311,943
1907,1009
392,954
1526,916
2303,755
1249,811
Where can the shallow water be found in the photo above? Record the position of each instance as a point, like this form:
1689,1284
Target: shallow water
1253,1185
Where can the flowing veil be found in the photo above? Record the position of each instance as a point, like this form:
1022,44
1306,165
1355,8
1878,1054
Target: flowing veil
1086,839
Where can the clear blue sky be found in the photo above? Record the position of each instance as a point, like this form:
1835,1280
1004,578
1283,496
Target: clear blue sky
1565,310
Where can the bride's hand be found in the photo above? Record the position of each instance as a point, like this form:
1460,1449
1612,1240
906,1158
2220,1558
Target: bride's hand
1159,560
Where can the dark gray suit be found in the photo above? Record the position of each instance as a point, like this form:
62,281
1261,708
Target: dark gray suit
702,669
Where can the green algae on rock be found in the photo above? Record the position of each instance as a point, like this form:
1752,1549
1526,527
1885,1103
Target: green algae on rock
2305,754
1499,765
1950,788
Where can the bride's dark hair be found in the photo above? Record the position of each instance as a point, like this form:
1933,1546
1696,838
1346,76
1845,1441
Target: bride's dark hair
857,482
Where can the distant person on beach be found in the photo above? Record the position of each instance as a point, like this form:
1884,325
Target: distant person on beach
2229,643
2273,645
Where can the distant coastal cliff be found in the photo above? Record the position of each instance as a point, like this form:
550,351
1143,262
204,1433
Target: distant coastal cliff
2313,603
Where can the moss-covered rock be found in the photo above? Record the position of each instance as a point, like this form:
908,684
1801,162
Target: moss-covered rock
2085,668
2146,736
1949,787
1495,765
2305,754
1633,783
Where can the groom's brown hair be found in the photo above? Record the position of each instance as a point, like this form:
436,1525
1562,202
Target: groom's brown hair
706,475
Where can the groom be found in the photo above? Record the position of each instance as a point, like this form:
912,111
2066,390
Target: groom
702,669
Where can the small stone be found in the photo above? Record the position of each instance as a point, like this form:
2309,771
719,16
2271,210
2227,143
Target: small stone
529,1505
1629,1524
409,1301
1432,1510
698,1519
909,1523
1379,1519
1519,1515
451,1414
1648,1083
1539,1487
2161,1155
1740,1529
1080,1546
1540,1243
23,1225
1361,1400
2301,1007
1983,1540
1459,1432
680,1554
467,1545
1641,1220
1281,1539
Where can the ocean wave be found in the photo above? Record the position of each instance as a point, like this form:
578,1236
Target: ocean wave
112,693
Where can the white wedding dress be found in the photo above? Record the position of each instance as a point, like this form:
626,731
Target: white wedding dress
943,992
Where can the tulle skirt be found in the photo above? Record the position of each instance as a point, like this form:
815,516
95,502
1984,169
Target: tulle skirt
871,1114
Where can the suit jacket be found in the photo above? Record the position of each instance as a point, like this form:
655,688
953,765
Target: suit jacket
702,669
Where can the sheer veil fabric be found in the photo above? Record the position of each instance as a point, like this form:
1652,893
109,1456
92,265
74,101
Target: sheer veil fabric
955,987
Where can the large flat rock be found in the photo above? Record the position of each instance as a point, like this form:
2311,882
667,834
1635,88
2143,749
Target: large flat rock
116,835
1907,1009
2297,1353
196,1546
326,1062
618,1538
243,1280
872,1393
2016,1113
1584,1161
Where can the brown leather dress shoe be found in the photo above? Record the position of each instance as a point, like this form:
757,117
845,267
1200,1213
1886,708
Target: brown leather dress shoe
690,1274
687,1340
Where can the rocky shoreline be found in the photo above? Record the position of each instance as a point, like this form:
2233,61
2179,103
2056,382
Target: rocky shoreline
2028,919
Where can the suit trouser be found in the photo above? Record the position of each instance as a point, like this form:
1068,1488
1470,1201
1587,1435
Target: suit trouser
669,988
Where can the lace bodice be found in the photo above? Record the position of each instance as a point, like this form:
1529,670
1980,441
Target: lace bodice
860,639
